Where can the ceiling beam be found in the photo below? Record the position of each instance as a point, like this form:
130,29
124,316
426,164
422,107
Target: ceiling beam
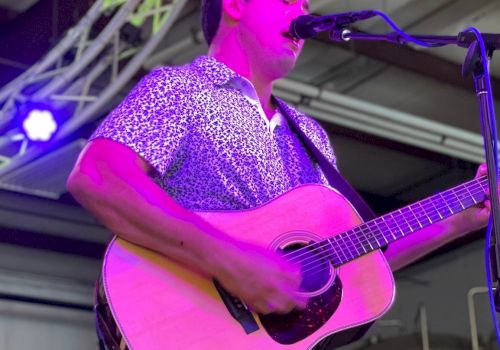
48,242
412,60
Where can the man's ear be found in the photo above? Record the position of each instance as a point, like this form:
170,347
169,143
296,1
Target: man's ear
233,8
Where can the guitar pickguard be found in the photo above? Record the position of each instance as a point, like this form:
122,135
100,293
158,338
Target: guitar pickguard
298,324
320,284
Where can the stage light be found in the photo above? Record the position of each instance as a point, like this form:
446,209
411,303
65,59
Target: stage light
39,125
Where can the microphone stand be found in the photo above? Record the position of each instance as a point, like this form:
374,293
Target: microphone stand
473,64
463,39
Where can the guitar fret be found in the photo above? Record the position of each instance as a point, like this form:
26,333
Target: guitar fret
345,249
432,213
332,252
377,233
357,237
393,223
448,197
485,188
388,221
359,245
446,205
342,250
432,210
400,221
458,198
412,221
383,233
425,212
404,223
421,215
480,195
464,197
349,246
436,209
367,234
343,246
353,236
365,239
474,200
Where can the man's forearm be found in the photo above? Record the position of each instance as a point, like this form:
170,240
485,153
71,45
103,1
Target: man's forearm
140,211
416,245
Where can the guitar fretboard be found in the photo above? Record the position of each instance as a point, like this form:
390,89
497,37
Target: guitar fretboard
383,230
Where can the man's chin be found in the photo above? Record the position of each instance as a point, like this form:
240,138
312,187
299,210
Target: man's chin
285,64
278,65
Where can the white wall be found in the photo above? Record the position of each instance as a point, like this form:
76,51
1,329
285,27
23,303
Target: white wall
50,276
441,285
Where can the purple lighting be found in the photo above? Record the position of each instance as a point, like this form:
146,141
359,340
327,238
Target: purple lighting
39,125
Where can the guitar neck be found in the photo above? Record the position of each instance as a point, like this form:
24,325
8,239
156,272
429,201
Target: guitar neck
388,228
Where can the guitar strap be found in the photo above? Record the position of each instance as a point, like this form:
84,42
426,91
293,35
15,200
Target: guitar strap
332,175
236,308
338,182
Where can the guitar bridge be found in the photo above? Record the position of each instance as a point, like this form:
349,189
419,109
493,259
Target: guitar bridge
238,310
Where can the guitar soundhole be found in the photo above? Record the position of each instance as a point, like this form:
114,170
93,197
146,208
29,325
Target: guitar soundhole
315,266
324,290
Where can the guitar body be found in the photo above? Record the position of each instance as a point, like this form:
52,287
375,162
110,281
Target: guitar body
159,304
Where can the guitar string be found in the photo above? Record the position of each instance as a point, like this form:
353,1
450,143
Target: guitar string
348,259
455,192
397,215
458,208
312,266
312,260
463,189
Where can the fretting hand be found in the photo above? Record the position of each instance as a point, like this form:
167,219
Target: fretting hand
474,218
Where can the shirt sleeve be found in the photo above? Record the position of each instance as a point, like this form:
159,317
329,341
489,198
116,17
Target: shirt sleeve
150,119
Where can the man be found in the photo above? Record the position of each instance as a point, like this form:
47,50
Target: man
210,136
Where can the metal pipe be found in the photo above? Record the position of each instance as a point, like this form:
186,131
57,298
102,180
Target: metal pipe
91,112
424,327
91,16
472,314
90,54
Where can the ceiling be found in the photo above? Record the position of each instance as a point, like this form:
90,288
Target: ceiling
389,172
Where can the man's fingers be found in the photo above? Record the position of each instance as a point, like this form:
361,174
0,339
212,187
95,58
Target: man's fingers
481,170
278,306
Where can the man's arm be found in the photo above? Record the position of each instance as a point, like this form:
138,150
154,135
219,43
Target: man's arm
411,248
111,181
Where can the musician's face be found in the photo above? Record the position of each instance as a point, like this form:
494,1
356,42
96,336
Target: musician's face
265,28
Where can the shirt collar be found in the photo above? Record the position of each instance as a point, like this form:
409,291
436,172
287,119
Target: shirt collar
223,76
216,71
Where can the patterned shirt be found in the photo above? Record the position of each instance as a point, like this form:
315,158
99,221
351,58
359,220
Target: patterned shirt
203,130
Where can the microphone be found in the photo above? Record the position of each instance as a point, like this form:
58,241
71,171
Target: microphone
307,26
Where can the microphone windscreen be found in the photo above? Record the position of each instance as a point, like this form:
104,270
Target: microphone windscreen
302,27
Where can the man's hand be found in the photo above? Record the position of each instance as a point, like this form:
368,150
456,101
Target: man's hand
473,218
411,248
262,279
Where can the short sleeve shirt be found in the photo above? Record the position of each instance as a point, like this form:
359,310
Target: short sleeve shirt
202,129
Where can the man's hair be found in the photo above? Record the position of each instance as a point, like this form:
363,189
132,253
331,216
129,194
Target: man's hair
211,13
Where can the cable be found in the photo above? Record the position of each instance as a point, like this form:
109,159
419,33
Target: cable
493,130
489,231
403,34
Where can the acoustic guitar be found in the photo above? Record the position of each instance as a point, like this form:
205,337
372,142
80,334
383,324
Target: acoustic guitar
159,304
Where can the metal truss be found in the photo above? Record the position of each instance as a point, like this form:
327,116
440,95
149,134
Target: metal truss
66,77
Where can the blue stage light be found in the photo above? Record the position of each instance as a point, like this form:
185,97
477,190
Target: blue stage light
38,122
